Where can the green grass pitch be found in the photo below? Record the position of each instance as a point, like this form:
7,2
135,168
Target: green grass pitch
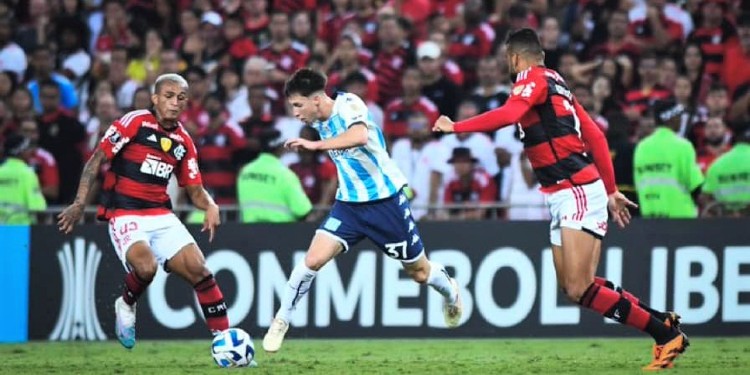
380,356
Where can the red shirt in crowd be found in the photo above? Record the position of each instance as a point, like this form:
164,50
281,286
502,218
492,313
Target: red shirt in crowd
481,189
313,176
217,148
397,114
45,166
389,67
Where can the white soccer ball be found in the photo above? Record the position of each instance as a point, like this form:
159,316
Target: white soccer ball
233,348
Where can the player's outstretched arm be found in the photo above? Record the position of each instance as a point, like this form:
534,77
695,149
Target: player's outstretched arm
72,214
355,136
510,113
201,199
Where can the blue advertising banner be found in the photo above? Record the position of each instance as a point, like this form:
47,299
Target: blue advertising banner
14,257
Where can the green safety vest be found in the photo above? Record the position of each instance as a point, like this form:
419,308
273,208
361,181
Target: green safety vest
269,192
665,173
19,192
728,178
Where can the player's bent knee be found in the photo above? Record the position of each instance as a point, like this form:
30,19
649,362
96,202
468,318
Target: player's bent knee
314,262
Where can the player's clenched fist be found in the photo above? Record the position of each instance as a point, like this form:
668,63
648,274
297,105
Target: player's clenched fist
443,124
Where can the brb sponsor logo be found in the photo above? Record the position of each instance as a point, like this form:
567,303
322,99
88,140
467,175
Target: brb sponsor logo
155,167
78,318
376,292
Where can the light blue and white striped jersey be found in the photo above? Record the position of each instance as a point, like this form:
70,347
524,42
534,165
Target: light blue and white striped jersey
366,173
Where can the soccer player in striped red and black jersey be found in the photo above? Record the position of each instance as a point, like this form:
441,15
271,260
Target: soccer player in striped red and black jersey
145,148
558,135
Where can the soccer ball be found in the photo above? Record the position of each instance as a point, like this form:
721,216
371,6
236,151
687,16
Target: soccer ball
233,348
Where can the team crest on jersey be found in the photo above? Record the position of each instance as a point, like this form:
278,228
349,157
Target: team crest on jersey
179,152
166,144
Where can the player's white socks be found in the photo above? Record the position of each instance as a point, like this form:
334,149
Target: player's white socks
440,281
297,286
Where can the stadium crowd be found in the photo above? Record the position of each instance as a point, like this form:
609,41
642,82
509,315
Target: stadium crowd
69,68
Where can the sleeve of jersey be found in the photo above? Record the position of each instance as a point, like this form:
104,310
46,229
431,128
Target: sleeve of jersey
120,133
597,143
353,111
189,173
524,95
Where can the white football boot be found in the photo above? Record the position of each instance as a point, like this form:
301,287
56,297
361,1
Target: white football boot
275,336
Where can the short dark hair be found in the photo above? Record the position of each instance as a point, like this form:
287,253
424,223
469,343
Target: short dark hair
305,82
354,78
525,42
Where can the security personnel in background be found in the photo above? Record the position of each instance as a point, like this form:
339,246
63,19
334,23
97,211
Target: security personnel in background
667,177
267,190
20,194
728,178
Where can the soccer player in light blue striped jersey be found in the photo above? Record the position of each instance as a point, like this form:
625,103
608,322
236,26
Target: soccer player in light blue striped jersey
370,202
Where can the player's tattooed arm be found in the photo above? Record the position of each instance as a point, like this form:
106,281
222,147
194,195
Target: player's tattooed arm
72,214
201,199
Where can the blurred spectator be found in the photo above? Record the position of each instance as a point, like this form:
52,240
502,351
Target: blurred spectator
450,68
254,73
169,62
435,86
167,12
479,143
142,99
194,117
190,43
37,28
40,160
292,6
394,55
74,59
42,62
737,56
653,29
216,47
473,40
358,84
423,160
366,19
317,173
255,14
667,72
105,113
268,191
549,35
469,185
8,84
622,149
713,34
717,101
302,29
693,67
116,30
282,51
398,111
240,47
695,115
333,23
218,146
667,177
648,91
619,41
728,179
61,134
20,195
603,100
12,56
117,76
489,93
146,68
259,122
716,142
345,61
21,106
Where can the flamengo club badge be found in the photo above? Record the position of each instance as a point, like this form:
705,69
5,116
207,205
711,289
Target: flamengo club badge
166,144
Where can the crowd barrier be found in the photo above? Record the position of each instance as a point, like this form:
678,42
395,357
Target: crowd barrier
63,287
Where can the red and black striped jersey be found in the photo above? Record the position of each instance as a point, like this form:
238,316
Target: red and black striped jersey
713,42
143,157
556,131
218,148
640,99
389,67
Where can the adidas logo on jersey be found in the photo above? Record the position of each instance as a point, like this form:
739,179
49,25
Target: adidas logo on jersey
155,167
152,138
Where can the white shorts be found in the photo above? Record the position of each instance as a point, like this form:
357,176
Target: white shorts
165,235
581,208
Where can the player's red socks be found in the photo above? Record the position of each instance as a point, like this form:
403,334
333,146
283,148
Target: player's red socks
134,287
630,297
614,305
212,303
